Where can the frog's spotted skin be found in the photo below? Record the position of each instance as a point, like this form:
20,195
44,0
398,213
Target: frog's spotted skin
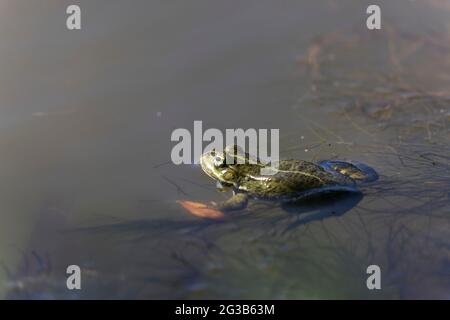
292,181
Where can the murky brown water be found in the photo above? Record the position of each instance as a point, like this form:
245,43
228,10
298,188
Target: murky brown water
85,124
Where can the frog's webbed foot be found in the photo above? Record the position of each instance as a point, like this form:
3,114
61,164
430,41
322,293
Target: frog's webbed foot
238,201
356,170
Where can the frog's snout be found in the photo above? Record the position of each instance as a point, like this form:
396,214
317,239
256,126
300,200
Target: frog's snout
208,164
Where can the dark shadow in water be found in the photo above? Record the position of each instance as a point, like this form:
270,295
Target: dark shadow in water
316,208
144,228
322,207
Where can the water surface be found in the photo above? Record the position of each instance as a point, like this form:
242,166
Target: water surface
85,125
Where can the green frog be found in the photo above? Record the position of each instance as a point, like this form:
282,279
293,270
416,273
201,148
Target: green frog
290,180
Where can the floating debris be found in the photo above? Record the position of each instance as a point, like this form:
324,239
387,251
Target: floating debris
201,210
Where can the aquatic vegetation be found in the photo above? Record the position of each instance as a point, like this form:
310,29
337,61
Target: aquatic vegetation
33,279
394,84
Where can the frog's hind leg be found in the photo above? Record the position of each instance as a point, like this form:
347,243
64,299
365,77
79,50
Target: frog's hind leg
356,170
238,201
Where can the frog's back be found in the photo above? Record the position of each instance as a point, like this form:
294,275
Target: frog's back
295,179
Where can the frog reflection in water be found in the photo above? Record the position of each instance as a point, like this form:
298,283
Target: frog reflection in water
290,182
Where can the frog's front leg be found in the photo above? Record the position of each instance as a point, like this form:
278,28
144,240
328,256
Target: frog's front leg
238,201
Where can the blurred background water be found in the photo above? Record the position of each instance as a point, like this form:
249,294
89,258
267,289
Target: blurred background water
85,124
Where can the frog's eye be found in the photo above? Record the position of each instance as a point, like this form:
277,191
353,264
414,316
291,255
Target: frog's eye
218,161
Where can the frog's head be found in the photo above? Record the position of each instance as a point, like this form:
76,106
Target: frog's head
214,163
